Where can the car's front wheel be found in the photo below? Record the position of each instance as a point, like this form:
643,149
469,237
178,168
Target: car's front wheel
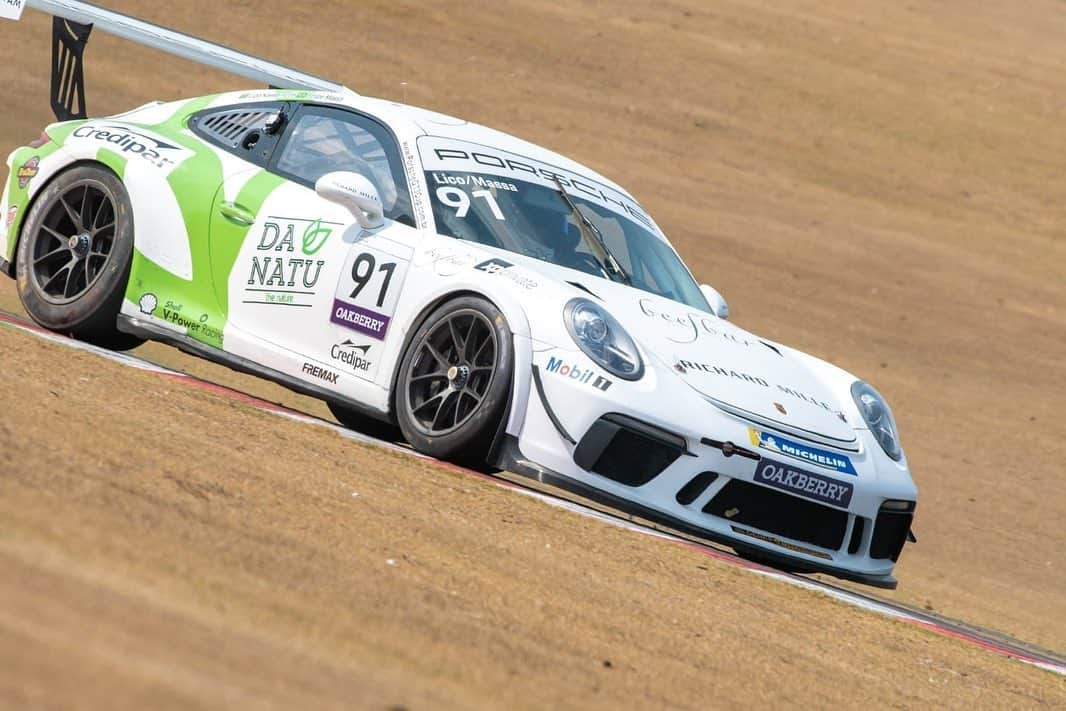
454,384
74,256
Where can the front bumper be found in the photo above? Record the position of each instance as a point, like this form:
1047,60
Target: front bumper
687,464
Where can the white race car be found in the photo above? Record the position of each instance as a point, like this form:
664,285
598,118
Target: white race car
501,304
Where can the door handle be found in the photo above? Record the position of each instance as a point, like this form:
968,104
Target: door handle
237,214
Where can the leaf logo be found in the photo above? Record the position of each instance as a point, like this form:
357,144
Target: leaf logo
315,236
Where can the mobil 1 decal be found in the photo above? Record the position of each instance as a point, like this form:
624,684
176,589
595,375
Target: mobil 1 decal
369,286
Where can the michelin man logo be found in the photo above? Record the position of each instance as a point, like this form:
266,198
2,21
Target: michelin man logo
148,303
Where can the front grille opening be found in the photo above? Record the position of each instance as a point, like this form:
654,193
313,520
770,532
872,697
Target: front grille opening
695,488
856,535
626,450
778,513
890,533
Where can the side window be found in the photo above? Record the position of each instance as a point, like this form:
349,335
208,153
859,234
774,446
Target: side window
322,140
250,131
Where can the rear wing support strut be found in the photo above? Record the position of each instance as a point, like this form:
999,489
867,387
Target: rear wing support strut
68,75
74,20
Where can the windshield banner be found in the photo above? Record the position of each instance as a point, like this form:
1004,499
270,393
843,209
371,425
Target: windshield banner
458,156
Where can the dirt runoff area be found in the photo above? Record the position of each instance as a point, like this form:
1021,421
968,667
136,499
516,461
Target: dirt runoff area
877,184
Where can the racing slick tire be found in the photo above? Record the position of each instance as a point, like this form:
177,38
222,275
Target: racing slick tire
74,257
454,383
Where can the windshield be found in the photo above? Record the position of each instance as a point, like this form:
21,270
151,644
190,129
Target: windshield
536,220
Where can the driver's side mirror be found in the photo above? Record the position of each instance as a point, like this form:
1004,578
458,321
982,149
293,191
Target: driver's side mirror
355,192
718,305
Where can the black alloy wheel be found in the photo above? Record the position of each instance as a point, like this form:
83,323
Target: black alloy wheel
455,381
74,256
74,241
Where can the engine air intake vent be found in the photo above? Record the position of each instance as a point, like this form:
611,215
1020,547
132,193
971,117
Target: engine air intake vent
229,127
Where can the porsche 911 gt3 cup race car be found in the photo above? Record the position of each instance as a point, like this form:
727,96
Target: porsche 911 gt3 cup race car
501,304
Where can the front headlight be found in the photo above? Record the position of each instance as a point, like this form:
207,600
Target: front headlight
878,417
603,339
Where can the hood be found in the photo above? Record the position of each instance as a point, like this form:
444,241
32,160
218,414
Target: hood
731,367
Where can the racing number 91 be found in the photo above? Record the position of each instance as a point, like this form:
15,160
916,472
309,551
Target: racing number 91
363,273
457,198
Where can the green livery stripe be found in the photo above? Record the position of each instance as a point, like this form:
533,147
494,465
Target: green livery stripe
114,161
227,237
200,304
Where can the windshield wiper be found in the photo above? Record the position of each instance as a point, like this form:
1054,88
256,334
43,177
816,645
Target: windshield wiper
594,237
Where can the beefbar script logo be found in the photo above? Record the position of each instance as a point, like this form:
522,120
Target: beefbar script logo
579,375
803,483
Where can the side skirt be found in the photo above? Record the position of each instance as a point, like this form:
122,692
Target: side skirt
191,346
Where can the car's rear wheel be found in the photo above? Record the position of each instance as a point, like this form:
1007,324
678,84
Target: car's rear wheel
74,256
454,384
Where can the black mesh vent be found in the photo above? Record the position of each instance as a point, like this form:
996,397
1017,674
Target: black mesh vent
890,533
779,513
229,127
692,490
627,450
856,535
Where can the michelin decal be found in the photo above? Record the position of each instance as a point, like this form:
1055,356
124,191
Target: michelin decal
796,450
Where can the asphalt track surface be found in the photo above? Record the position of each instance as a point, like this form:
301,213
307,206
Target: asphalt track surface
969,634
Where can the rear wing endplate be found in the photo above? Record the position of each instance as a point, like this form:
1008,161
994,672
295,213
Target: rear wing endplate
73,21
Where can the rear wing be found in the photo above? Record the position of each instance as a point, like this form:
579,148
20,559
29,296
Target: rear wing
73,21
